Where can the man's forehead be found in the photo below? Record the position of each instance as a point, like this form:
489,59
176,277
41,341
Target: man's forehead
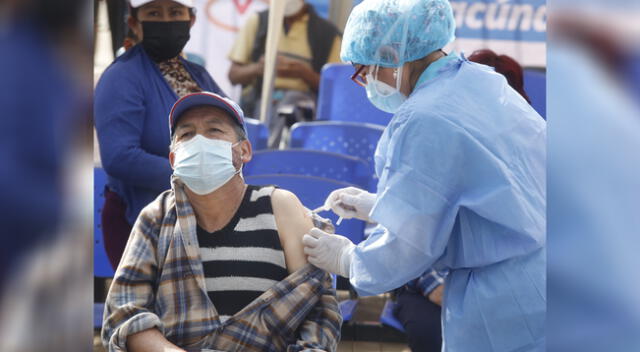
210,114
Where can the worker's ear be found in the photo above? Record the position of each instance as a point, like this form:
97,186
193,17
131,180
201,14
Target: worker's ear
193,19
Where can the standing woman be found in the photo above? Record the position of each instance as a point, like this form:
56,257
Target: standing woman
132,101
461,170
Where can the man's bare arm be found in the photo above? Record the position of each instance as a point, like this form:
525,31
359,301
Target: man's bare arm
293,222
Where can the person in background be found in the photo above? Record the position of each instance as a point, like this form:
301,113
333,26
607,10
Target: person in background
504,65
419,301
131,102
307,43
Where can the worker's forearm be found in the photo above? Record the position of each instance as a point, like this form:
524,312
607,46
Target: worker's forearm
149,341
244,74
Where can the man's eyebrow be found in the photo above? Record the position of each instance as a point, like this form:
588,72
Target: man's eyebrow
184,125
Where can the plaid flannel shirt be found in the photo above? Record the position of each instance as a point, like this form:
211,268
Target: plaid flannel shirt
160,283
427,282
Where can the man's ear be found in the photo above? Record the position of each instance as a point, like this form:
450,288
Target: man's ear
172,158
193,20
247,151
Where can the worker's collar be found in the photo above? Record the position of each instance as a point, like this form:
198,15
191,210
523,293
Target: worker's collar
436,67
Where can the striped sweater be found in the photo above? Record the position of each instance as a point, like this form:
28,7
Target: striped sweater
245,258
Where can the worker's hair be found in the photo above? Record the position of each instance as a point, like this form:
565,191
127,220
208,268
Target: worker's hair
505,65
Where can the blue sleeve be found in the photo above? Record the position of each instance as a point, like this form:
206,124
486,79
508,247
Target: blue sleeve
412,206
384,262
119,110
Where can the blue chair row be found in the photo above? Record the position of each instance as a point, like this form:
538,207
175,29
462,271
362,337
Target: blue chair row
305,162
350,138
257,133
340,99
101,265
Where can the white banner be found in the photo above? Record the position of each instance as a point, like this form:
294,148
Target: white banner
213,35
516,28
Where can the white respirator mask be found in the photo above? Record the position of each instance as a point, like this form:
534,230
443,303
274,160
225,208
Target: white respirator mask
382,95
292,7
204,164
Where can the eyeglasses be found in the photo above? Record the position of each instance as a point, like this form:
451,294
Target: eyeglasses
358,77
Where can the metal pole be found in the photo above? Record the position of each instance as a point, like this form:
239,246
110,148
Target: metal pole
276,16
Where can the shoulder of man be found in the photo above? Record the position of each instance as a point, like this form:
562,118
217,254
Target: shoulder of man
160,211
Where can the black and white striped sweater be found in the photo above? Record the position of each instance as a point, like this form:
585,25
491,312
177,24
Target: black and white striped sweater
245,258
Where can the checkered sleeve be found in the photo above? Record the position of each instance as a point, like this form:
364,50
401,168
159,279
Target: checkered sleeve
129,304
321,329
427,282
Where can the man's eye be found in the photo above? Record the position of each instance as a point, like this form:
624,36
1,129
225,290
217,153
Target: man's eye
153,13
177,13
186,135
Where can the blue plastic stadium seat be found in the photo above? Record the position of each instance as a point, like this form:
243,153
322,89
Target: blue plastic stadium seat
535,84
328,165
340,99
101,265
355,139
312,192
258,133
387,317
98,311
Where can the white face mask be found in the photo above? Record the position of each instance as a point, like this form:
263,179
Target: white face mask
204,164
292,7
384,96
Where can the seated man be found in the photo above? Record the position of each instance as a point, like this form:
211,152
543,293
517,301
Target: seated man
214,263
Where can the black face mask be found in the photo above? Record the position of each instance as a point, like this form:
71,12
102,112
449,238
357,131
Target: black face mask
165,40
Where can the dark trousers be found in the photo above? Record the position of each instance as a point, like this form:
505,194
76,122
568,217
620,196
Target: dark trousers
421,320
115,228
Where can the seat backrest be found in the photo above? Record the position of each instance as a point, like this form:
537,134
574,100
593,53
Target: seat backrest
350,138
257,133
340,99
305,162
535,84
312,192
101,265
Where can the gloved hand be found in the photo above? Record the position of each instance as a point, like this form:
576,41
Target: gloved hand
328,252
351,202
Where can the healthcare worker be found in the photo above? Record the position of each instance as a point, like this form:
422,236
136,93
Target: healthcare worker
461,170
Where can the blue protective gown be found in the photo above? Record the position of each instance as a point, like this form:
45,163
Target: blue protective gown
462,187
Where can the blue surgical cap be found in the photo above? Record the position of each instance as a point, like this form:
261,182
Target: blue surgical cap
391,32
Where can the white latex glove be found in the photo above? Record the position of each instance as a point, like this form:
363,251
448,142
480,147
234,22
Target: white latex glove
351,202
328,252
